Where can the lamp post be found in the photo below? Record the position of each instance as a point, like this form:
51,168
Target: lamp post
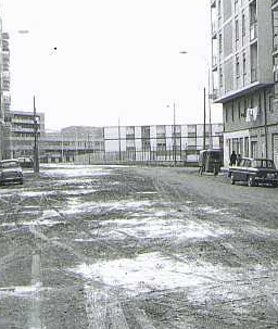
204,109
174,133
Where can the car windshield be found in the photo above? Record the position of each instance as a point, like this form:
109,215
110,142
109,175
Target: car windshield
11,164
215,155
263,164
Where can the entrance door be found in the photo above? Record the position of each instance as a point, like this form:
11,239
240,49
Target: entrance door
275,149
254,149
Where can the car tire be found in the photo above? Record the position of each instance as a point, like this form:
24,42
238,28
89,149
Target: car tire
250,181
232,179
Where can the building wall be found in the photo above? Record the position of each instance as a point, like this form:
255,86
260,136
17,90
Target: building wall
20,141
242,58
129,144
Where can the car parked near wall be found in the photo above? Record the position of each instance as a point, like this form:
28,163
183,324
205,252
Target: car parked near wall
254,171
26,162
10,172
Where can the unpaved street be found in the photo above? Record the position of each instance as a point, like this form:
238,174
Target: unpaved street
137,247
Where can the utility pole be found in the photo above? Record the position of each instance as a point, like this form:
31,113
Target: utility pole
175,142
119,139
204,133
36,146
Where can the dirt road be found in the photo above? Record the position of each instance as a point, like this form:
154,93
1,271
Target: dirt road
137,247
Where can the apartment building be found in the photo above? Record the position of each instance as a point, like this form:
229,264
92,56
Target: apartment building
23,127
5,97
129,144
160,143
242,46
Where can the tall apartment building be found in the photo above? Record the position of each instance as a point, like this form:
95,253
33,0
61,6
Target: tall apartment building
5,97
243,75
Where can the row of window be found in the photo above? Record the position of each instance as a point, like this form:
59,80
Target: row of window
241,109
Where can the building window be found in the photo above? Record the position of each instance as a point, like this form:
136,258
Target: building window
237,33
270,103
238,109
237,71
243,28
227,114
236,5
219,8
254,63
220,43
246,105
253,20
221,77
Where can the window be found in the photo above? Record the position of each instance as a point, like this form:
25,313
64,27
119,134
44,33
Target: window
238,109
243,28
237,67
220,43
237,33
219,8
237,29
270,103
236,6
221,77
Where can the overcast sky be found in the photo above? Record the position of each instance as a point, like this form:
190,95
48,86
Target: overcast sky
115,60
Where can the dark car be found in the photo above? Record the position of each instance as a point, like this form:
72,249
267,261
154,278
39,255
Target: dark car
26,162
210,161
10,171
254,172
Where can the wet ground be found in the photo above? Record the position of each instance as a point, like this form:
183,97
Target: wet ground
137,247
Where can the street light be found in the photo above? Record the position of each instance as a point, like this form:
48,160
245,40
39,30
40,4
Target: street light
210,96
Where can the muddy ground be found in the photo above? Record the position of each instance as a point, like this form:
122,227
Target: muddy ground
137,247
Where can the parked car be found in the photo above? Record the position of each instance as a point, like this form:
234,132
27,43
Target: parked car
210,161
26,162
254,172
10,171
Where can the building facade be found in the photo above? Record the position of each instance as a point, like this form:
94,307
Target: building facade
5,97
155,144
23,127
243,75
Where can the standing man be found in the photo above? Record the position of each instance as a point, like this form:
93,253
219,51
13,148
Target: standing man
233,159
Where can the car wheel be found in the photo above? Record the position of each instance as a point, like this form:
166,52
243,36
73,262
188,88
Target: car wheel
250,181
232,179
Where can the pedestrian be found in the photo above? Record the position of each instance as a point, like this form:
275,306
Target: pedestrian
238,159
233,158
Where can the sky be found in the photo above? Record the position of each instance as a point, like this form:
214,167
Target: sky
104,62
